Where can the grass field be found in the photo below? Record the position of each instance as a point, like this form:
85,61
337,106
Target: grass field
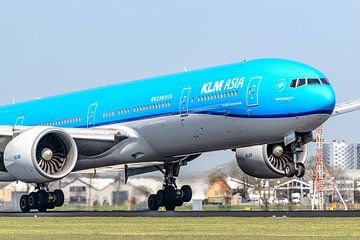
179,228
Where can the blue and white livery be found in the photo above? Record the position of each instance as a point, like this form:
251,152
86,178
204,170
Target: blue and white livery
265,110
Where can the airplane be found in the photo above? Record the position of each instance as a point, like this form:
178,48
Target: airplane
264,110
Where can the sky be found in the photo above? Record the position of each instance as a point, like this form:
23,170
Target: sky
52,47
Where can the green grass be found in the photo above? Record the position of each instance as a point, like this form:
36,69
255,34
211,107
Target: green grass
179,228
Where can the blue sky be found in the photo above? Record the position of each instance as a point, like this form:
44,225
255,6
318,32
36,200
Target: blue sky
51,47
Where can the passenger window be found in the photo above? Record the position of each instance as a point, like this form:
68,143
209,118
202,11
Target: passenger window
301,82
313,81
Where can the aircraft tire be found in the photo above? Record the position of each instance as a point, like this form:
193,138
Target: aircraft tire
59,195
24,203
289,170
187,193
300,170
170,198
160,196
152,203
33,200
42,201
179,202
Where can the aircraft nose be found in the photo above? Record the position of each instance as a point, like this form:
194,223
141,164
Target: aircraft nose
326,99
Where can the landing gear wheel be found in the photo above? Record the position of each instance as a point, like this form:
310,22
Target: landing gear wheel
33,200
59,195
187,193
42,201
170,206
160,198
24,203
51,205
152,203
179,202
289,170
170,198
300,170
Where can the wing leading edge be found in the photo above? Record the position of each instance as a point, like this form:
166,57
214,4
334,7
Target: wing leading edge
346,107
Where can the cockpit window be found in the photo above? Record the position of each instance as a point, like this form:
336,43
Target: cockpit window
293,83
298,82
302,81
325,81
313,81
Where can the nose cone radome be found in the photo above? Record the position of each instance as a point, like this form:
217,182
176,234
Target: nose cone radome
326,99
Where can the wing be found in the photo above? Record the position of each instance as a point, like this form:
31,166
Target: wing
95,144
106,150
346,107
85,138
133,169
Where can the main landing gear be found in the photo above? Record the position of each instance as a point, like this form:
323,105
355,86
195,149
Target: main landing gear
170,196
41,200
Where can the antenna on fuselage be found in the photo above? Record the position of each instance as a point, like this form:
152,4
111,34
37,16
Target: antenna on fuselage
185,69
13,101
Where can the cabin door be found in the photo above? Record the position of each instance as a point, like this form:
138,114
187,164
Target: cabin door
184,102
19,121
252,96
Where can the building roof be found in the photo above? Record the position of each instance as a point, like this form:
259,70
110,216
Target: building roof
237,183
293,184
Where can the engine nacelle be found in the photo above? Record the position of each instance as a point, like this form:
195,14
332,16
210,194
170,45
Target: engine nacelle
41,154
267,161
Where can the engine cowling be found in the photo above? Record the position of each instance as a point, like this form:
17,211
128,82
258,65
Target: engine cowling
41,154
267,161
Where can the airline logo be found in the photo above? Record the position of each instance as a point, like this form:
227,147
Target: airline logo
222,85
280,85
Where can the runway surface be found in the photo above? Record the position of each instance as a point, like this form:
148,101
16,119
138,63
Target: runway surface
292,214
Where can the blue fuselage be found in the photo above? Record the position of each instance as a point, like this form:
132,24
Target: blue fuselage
253,89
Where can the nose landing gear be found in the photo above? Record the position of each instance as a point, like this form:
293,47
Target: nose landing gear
170,196
295,168
292,170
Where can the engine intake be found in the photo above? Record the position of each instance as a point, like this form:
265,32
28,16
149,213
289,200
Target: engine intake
41,154
267,161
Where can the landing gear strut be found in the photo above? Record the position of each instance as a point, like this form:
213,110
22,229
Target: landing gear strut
295,168
170,196
42,199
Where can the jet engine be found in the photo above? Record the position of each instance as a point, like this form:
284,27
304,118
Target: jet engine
40,154
269,160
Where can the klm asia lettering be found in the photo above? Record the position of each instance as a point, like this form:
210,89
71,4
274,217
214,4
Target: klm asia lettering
217,86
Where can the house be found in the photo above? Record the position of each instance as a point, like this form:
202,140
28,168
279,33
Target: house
10,194
219,192
106,191
87,191
286,189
